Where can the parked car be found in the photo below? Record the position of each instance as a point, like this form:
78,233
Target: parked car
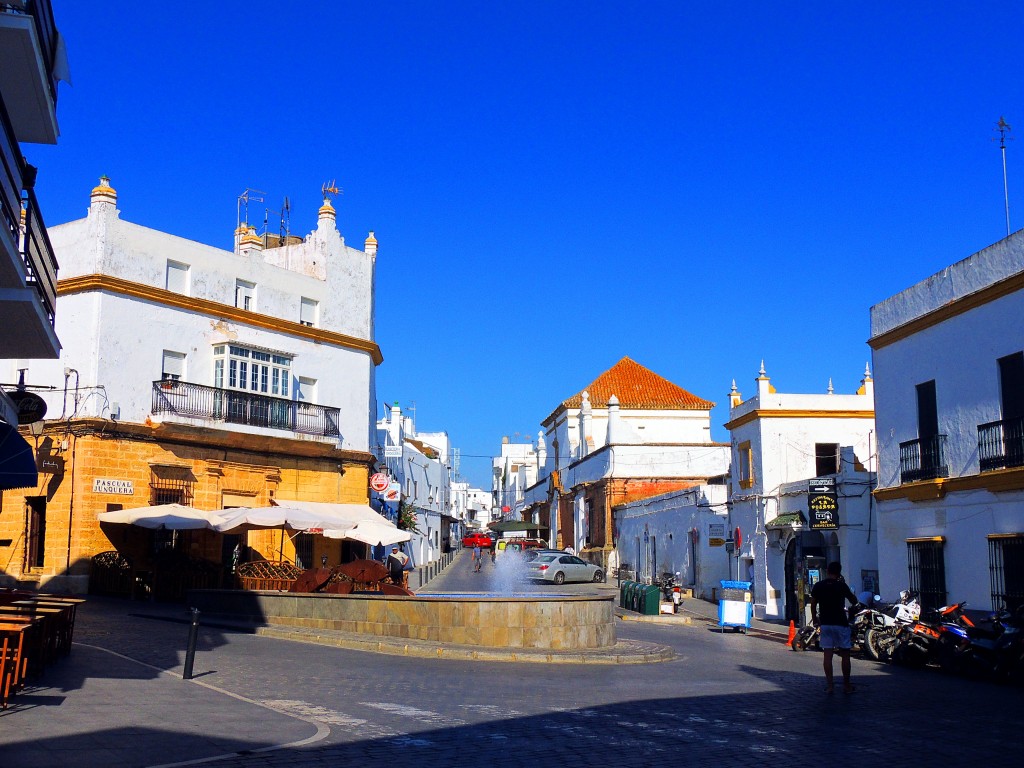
520,544
533,554
561,567
481,540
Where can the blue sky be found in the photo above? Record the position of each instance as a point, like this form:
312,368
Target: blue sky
555,185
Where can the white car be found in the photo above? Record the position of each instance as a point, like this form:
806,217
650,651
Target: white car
562,567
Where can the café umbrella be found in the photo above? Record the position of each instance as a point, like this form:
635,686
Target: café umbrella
372,533
171,517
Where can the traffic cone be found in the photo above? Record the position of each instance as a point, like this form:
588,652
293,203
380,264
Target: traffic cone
792,633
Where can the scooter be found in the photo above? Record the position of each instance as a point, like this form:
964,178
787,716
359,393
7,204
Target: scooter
671,589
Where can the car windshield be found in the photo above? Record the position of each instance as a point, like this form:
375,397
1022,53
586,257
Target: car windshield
545,558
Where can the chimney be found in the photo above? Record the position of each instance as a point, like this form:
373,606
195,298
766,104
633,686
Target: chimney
586,426
103,198
614,421
370,246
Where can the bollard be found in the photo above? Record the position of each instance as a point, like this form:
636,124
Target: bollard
190,653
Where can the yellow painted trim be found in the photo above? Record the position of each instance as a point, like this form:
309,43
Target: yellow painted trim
86,283
923,539
744,451
1005,536
797,414
928,490
956,307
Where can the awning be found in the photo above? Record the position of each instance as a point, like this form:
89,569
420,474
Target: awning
311,516
374,534
17,460
788,520
171,517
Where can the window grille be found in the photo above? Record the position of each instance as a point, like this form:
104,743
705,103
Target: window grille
171,485
303,550
1006,570
927,571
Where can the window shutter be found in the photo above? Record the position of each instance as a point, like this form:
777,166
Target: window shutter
307,312
177,277
174,365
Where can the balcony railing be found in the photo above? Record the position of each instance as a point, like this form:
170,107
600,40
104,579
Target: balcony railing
1001,444
237,407
923,459
20,217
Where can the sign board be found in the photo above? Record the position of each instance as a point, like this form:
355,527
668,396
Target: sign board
822,504
730,545
392,493
716,542
106,485
380,482
31,407
392,451
53,465
716,531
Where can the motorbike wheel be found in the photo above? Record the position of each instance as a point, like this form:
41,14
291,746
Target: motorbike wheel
878,644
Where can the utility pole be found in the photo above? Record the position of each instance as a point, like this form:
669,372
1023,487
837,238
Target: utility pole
1004,128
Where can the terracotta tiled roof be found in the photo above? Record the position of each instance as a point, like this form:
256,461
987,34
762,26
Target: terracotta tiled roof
639,388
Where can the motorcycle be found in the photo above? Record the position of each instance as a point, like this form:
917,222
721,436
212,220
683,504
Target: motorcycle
807,637
884,622
989,647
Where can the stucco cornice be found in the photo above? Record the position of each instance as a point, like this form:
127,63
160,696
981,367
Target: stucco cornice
111,284
929,490
956,307
759,413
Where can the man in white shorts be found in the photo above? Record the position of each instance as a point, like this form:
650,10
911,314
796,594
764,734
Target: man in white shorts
828,612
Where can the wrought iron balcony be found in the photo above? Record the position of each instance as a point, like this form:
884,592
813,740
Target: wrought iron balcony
1001,444
923,459
237,407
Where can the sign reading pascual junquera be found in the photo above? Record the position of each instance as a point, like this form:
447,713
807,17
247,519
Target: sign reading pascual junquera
107,485
822,503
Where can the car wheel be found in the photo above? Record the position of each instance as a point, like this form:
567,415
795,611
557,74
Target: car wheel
559,578
598,577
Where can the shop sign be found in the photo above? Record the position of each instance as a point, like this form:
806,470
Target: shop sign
379,482
392,493
53,465
716,541
822,504
107,485
392,451
716,531
31,407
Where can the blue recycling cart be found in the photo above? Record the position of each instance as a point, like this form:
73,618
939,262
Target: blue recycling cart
735,608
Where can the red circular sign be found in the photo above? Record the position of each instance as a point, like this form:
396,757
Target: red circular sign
380,482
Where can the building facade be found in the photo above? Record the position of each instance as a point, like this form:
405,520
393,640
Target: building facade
32,61
949,357
780,443
200,376
630,435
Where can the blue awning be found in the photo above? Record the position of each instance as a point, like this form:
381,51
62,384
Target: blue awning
17,460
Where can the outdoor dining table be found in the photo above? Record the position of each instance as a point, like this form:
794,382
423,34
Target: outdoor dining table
51,620
66,624
14,642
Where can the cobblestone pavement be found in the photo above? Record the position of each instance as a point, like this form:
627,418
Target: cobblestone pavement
729,699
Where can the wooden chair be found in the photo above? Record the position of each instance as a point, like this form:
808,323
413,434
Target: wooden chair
13,663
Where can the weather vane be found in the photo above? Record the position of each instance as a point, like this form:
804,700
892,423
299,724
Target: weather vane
1004,128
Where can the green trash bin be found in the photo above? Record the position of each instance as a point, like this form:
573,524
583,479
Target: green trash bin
631,596
651,605
622,593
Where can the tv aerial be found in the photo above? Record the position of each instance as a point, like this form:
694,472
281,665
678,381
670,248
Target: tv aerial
330,189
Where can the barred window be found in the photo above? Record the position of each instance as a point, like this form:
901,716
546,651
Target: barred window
925,558
1006,570
171,484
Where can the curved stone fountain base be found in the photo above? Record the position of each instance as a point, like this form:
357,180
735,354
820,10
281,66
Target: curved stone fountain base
527,622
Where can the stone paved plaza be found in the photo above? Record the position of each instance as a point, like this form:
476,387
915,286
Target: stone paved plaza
733,699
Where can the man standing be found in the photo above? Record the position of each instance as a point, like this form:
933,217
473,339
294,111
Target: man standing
476,557
828,613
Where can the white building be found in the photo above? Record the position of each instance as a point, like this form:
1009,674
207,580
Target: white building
949,358
293,322
420,464
780,442
470,506
513,471
631,434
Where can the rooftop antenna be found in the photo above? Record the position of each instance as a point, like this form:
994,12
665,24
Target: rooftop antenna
243,202
286,216
1004,128
330,189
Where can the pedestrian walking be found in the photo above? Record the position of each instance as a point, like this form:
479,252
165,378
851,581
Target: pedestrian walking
828,613
477,556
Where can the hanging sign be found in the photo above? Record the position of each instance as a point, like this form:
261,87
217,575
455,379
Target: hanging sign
31,407
379,482
392,493
392,451
822,504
